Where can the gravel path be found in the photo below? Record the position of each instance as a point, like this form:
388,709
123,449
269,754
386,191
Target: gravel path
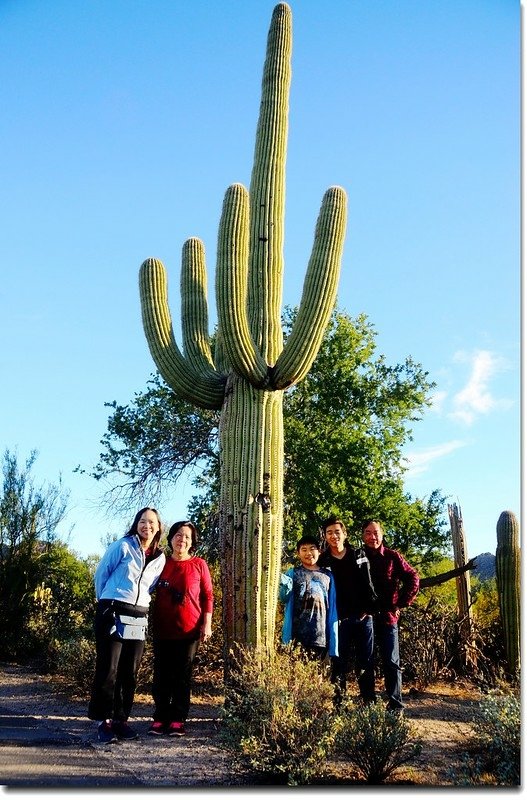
192,760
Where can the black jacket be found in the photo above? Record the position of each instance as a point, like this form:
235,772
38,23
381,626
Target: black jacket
355,593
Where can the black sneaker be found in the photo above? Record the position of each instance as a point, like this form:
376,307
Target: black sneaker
123,731
105,733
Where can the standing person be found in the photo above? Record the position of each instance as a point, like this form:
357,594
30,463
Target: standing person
396,584
182,617
308,592
124,579
355,603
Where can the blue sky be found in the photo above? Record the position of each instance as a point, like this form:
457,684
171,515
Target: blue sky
124,122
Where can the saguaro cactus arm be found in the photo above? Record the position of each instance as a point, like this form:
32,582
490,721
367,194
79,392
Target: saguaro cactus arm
231,289
194,310
205,391
267,190
319,292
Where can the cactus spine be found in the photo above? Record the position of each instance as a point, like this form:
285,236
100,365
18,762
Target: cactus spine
508,569
252,365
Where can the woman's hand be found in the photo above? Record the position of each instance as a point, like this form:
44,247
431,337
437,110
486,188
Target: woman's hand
206,632
206,628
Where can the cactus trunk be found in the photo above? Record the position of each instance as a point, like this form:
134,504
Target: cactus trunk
251,447
252,366
508,571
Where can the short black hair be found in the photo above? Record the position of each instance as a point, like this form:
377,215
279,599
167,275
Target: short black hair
333,520
174,529
369,522
308,538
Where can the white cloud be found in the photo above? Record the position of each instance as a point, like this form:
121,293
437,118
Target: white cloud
419,461
476,398
437,401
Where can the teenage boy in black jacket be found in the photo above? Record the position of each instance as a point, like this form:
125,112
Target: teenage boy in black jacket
355,604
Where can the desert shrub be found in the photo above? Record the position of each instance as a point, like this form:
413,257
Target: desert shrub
76,664
375,741
279,717
485,608
501,715
498,727
431,646
57,604
429,642
490,661
53,618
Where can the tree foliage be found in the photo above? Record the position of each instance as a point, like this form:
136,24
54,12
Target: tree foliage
151,443
345,428
45,590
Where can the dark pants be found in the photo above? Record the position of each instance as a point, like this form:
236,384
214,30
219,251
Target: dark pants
355,643
387,637
173,664
116,669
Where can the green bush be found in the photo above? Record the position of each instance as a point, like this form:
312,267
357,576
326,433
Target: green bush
279,716
76,660
498,728
56,606
376,741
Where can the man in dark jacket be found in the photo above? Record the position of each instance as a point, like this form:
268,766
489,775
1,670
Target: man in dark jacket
355,599
396,584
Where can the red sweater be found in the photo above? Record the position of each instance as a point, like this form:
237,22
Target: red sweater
183,594
395,581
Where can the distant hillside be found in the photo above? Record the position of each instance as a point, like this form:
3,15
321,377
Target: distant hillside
485,566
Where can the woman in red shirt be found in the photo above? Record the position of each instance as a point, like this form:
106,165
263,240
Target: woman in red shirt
182,617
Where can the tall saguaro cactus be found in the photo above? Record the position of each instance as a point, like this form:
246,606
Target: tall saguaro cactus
251,365
508,571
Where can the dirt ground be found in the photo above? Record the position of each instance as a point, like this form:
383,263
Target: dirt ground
442,715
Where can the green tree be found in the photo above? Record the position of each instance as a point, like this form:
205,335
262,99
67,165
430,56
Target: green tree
443,593
62,608
345,427
29,516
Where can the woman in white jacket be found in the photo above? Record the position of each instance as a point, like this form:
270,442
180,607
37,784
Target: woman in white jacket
124,580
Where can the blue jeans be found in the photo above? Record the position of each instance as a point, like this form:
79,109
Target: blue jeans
355,639
387,637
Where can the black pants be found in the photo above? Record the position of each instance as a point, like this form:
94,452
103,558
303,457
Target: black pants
173,664
116,669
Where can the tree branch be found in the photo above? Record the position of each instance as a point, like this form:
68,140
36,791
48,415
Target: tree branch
443,577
